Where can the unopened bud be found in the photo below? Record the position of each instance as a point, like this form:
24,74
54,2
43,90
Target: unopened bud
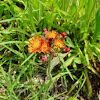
44,58
66,50
63,35
44,30
54,54
51,50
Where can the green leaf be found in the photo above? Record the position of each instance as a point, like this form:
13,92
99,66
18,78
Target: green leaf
56,60
77,60
88,64
7,20
72,98
69,60
85,36
27,59
1,10
13,42
14,51
69,42
75,84
89,86
96,34
73,9
67,63
74,66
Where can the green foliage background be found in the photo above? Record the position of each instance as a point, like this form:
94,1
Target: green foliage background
21,19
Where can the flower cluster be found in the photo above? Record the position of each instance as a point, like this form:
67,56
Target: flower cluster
49,42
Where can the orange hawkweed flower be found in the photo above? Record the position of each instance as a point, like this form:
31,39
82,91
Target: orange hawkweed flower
44,47
52,34
35,44
58,43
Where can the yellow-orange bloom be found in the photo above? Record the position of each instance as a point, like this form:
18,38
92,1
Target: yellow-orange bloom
44,47
35,44
52,34
58,43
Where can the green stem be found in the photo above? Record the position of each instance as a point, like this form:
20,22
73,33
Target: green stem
49,65
50,77
88,82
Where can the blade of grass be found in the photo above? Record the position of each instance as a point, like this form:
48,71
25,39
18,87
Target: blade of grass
12,42
27,59
84,80
8,20
75,84
67,63
14,51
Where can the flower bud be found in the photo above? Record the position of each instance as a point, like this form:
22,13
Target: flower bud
63,35
44,30
44,58
66,50
54,54
51,50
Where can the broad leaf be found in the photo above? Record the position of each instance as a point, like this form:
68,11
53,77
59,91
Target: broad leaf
69,42
56,61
